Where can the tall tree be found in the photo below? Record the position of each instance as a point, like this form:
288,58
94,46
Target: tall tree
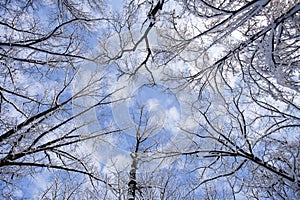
233,66
41,50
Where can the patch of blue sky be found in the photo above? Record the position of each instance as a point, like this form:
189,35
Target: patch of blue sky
155,98
23,189
115,5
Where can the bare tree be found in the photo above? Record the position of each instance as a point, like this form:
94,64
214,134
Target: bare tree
144,177
41,50
234,63
247,109
242,59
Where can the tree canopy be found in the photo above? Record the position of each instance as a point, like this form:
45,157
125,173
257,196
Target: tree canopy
150,99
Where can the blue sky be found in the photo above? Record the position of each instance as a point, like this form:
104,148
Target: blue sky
169,103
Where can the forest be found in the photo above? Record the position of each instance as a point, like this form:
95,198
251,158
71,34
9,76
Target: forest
150,99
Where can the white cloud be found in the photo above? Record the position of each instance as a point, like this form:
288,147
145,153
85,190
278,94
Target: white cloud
153,104
41,181
173,114
18,193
